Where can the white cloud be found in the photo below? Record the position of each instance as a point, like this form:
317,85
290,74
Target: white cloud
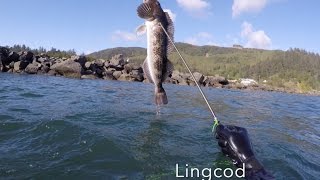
172,15
205,35
202,38
255,39
124,36
192,40
242,6
195,7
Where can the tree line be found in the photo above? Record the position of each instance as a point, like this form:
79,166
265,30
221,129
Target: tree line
53,52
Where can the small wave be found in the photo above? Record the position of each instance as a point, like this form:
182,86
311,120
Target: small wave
31,95
22,110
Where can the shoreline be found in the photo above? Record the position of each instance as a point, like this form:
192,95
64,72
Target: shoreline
117,69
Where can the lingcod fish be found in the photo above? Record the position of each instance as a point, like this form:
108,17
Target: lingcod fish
156,66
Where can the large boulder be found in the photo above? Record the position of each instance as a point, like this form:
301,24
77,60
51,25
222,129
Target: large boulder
117,74
108,75
43,60
199,77
26,57
215,81
117,60
183,81
99,62
171,81
32,68
44,69
16,66
4,52
79,59
132,66
126,77
13,57
52,72
88,65
69,68
23,64
137,75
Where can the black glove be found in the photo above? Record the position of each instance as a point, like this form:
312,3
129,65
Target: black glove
235,143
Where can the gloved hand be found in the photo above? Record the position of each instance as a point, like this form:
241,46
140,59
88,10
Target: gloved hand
234,142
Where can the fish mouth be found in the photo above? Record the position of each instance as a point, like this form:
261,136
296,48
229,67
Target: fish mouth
145,11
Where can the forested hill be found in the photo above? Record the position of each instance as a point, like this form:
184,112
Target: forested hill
295,68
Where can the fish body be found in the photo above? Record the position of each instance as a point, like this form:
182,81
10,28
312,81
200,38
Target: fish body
157,66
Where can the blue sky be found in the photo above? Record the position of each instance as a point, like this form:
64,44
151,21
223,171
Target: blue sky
88,26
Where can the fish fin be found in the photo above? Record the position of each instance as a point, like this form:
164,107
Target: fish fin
146,71
160,96
170,30
142,29
145,11
169,71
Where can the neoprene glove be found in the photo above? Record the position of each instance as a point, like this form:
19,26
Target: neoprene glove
235,144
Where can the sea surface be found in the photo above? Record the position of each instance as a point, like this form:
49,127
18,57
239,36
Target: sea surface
59,128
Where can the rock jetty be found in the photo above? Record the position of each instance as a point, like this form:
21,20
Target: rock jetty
115,68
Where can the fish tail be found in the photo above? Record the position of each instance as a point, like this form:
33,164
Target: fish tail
160,96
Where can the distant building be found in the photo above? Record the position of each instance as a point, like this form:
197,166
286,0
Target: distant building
237,46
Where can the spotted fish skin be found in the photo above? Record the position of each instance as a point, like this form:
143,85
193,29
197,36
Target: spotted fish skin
157,66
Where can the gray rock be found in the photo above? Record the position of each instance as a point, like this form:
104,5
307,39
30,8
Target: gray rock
132,66
117,60
199,77
26,57
13,57
10,71
126,77
32,68
52,73
183,82
44,69
176,75
88,72
117,74
4,52
69,68
118,68
107,64
88,65
109,77
99,62
215,81
137,75
99,71
80,59
23,65
11,65
16,66
43,60
171,81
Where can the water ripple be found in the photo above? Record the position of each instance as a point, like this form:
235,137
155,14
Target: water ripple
53,127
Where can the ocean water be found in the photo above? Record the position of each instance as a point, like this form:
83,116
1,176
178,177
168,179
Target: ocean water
59,128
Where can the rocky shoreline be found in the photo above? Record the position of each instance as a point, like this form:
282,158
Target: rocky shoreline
114,69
